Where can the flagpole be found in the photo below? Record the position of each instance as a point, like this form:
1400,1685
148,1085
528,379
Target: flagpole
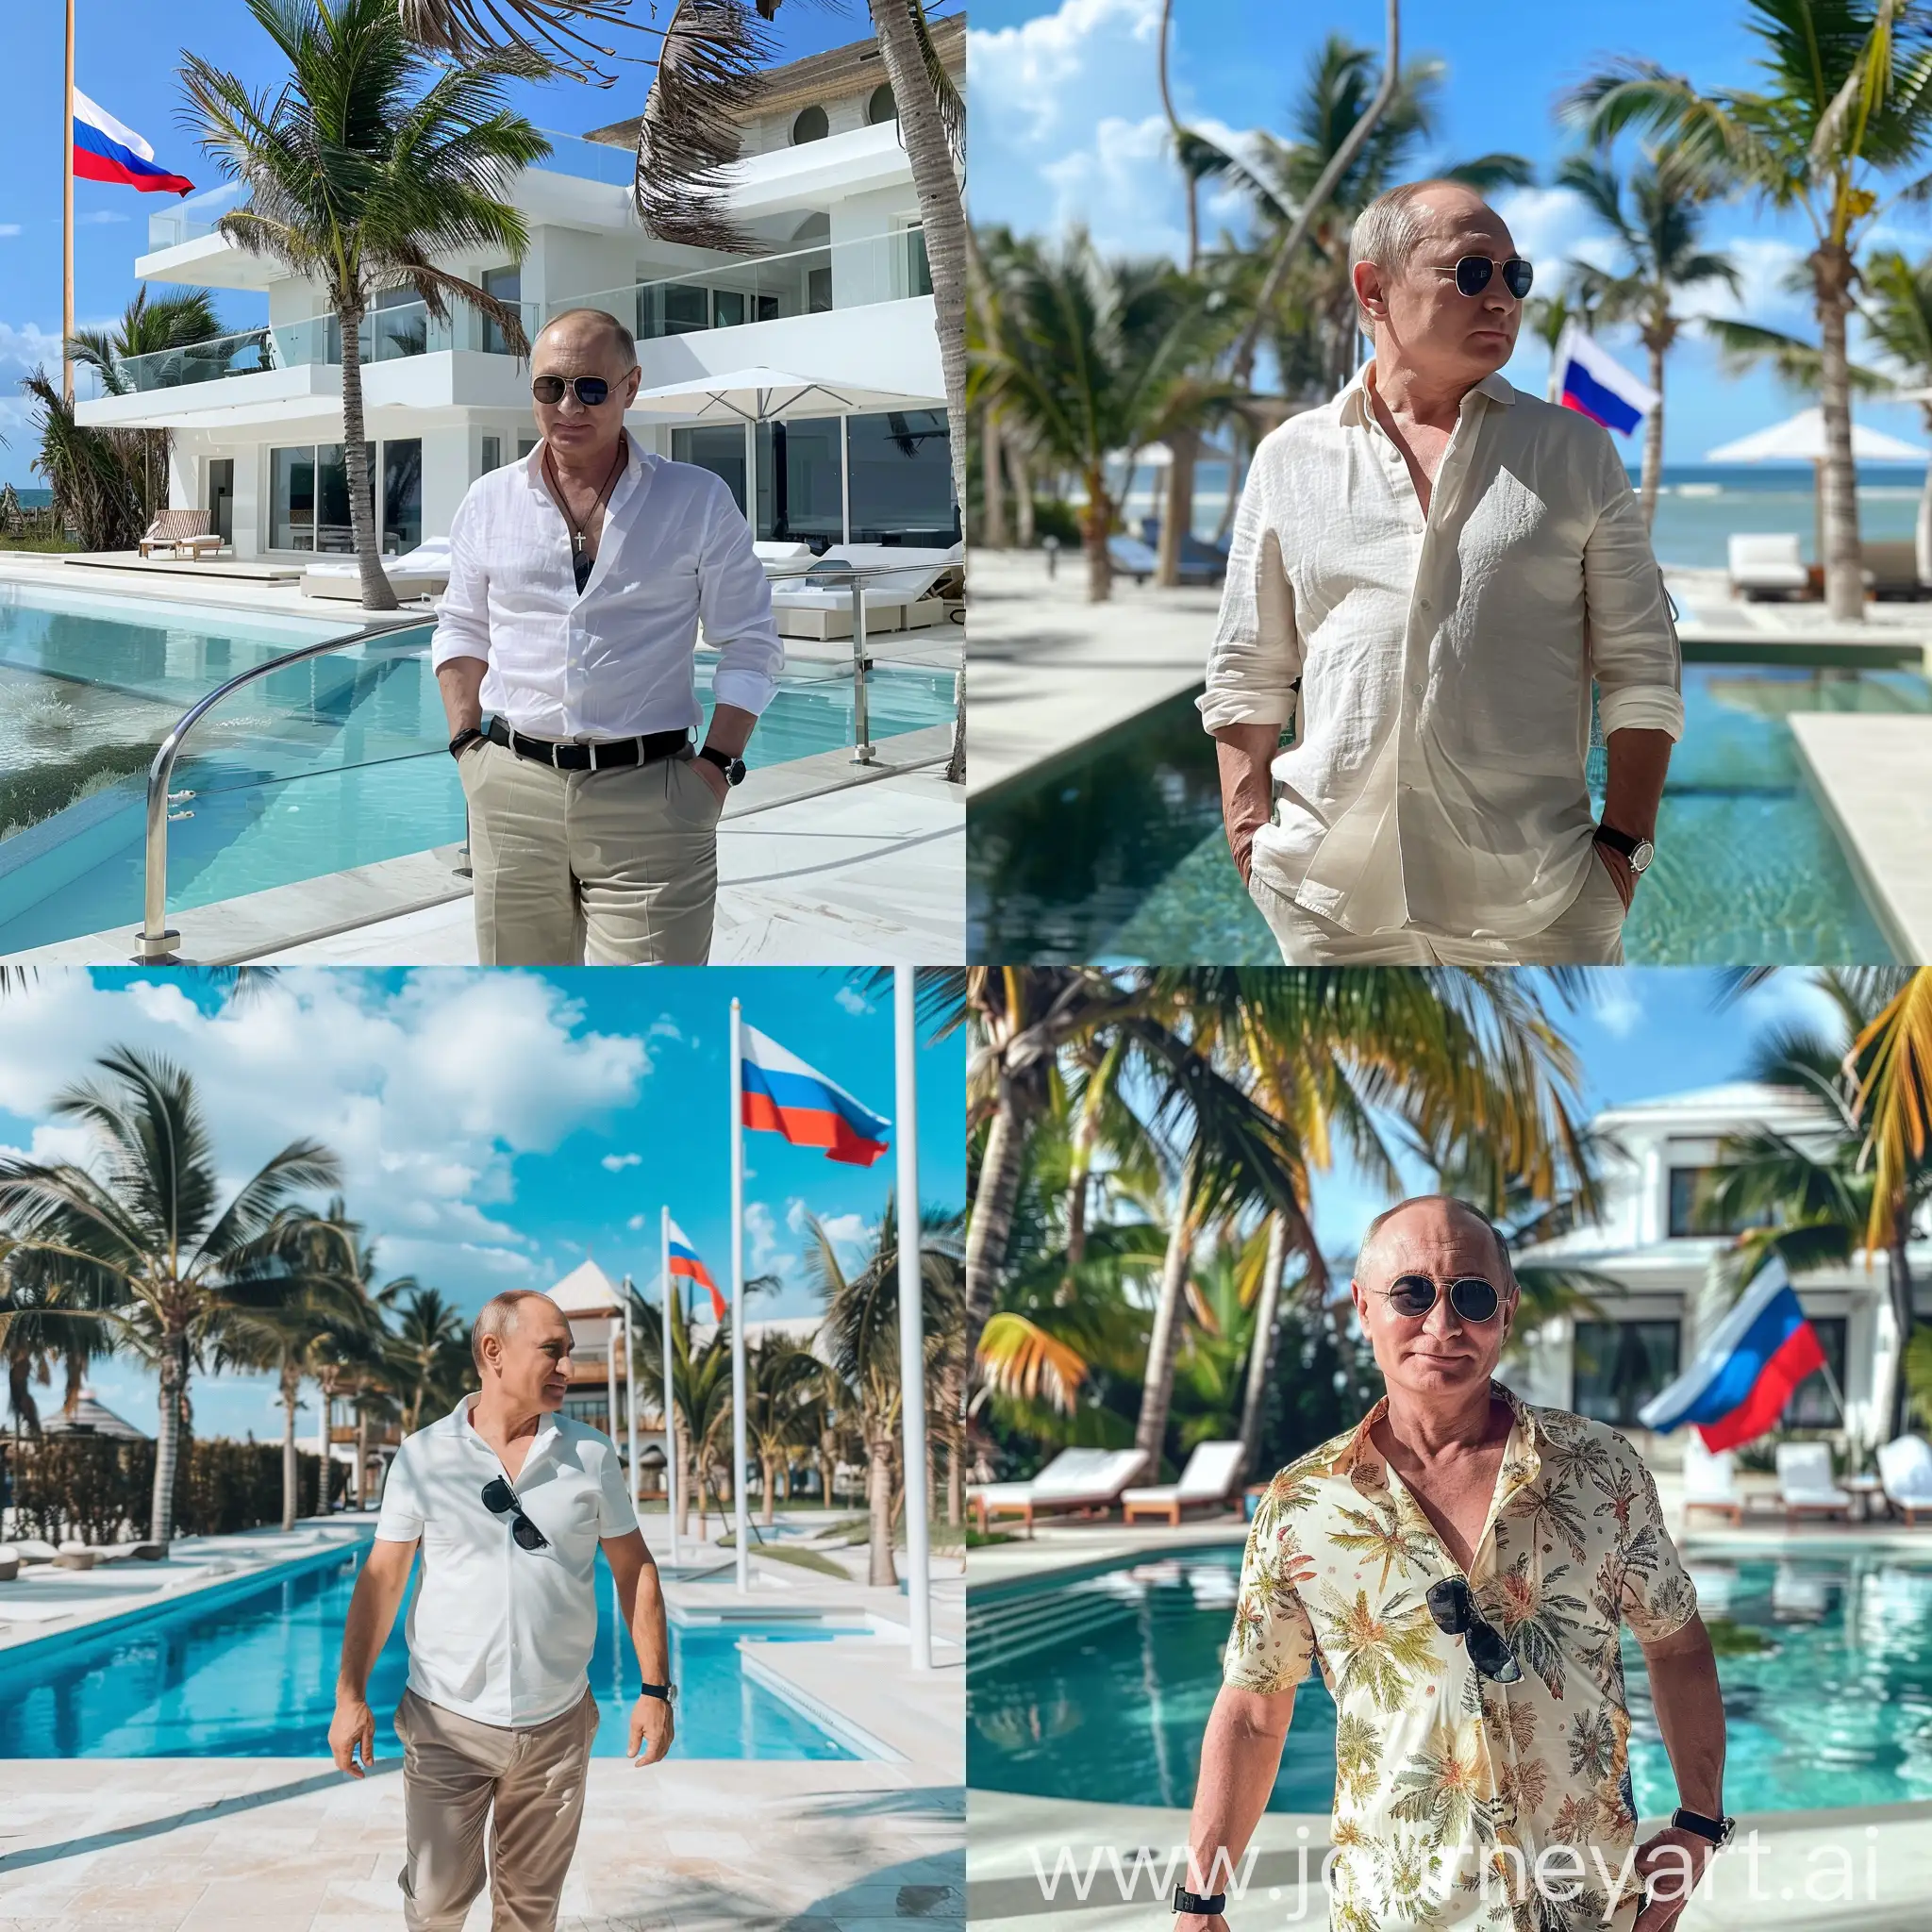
630,1393
67,224
911,1323
670,1412
741,1528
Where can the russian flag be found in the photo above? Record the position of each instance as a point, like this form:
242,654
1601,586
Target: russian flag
685,1266
1738,1385
1598,386
105,151
783,1095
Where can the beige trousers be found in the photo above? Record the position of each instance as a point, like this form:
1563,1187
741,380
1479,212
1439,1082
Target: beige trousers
1587,932
454,1770
614,868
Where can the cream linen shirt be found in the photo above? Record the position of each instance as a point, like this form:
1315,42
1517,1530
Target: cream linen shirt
1442,1773
617,661
1444,662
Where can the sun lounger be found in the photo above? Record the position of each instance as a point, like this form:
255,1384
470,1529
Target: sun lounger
1891,568
819,610
1212,1471
783,559
1130,558
30,1549
1200,563
1904,1468
9,1563
74,1557
1768,566
1805,1487
420,574
1710,1482
181,530
1076,1479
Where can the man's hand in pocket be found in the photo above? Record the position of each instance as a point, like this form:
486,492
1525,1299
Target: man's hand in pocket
1621,874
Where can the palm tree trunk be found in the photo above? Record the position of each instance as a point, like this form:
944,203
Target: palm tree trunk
1654,440
377,593
174,1375
827,1464
1187,181
292,1388
362,1457
1157,1387
1023,496
1261,1349
770,1467
993,483
1844,586
1921,533
1096,526
879,1491
1177,518
991,1231
1899,1272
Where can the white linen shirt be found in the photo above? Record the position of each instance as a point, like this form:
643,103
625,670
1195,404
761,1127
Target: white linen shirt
1436,782
499,1633
618,660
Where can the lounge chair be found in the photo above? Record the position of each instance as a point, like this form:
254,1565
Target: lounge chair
182,529
1131,557
1200,563
1768,566
420,574
784,560
905,596
9,1563
76,1556
1891,568
1805,1486
1904,1469
1710,1482
1212,1471
1083,1480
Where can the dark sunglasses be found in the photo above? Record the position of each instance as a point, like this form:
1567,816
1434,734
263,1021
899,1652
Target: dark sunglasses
1470,1295
497,1497
1456,1616
1472,275
590,391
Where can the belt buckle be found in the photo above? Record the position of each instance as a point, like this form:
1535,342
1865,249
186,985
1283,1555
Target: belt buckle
592,745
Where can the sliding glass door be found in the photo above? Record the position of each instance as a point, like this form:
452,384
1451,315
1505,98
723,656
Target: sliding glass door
308,496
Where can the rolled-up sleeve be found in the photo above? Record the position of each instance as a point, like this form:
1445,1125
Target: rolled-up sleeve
1633,643
735,607
1256,653
462,619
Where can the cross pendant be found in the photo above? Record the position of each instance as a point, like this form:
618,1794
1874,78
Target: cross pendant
578,540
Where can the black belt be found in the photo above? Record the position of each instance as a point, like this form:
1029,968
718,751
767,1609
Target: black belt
608,755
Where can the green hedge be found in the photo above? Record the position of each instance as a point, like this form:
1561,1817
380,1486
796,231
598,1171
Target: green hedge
93,1489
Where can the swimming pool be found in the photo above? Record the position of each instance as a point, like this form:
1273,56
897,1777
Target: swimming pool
334,762
253,1675
1119,854
1097,1686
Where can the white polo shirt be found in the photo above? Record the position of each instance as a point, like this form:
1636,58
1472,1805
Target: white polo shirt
498,1633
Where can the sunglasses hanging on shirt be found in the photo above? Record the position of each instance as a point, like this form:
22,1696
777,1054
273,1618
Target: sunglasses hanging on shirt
498,1497
1456,1615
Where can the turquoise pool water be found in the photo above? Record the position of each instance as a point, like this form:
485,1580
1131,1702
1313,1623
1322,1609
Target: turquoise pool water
1097,1685
253,1676
1120,854
334,762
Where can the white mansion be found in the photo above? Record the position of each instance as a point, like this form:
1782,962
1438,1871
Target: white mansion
839,292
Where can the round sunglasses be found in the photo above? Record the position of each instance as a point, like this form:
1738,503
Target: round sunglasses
590,391
1456,1615
1470,1295
1472,275
498,1497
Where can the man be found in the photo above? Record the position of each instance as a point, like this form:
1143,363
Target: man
1460,1564
578,580
1426,576
510,1503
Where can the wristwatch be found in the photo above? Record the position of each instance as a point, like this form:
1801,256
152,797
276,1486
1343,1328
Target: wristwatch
727,762
464,740
666,1694
1637,851
1206,1904
1720,1831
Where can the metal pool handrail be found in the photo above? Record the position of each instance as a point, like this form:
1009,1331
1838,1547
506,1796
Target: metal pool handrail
155,944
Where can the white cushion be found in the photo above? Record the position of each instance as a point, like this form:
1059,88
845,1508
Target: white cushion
1768,558
1804,1474
1710,1474
1905,1467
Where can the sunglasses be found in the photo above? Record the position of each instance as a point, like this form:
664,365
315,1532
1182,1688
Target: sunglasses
497,1497
590,391
1470,1295
1472,275
1456,1615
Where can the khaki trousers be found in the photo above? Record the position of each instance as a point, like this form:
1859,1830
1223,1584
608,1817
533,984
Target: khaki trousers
614,868
1587,932
454,1770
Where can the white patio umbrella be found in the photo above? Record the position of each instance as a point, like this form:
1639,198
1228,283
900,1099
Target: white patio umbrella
759,395
1801,438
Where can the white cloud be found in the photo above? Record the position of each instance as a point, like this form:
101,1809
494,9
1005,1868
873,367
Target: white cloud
1617,1010
1553,228
847,1230
10,227
853,1001
100,217
636,1223
618,1163
761,1230
1028,75
1763,266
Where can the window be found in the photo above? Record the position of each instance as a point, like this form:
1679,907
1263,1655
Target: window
1687,1186
1812,1404
721,451
506,285
492,453
881,107
291,499
220,497
524,445
918,267
402,495
901,487
818,290
801,482
332,532
674,308
728,307
811,124
308,494
1621,1365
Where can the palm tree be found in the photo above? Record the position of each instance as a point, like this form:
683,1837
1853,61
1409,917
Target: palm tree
360,170
47,1318
1659,234
1897,308
1844,102
779,1382
428,1352
155,1228
700,1396
89,473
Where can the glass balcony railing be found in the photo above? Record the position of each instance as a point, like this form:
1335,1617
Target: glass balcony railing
238,355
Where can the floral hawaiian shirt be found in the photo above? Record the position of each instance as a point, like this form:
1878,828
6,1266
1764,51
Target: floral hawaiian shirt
1460,1802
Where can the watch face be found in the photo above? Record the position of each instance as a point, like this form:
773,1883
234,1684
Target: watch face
1640,860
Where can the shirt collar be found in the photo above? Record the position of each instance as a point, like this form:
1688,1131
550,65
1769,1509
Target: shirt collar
1351,405
639,460
460,1418
1521,1460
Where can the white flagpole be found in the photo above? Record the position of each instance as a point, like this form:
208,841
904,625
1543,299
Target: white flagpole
741,1528
670,1412
630,1393
911,1323
67,224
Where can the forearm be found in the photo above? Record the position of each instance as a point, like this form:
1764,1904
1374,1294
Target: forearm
648,1630
372,1613
1241,1753
461,680
731,728
1639,761
1691,1715
1245,756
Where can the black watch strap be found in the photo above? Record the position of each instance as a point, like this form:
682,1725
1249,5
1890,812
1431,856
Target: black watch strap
1718,1830
1206,1904
464,740
1618,841
665,1693
727,762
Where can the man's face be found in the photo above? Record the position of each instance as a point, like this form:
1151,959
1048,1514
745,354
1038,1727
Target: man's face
574,430
1428,324
532,1358
1438,1354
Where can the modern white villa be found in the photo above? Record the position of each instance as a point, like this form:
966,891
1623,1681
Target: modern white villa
838,293
1660,1295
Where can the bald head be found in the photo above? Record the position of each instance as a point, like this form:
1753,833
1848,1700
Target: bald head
1421,1219
595,331
502,1318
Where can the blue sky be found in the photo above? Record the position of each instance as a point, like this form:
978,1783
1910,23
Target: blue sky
1067,125
127,60
497,1126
